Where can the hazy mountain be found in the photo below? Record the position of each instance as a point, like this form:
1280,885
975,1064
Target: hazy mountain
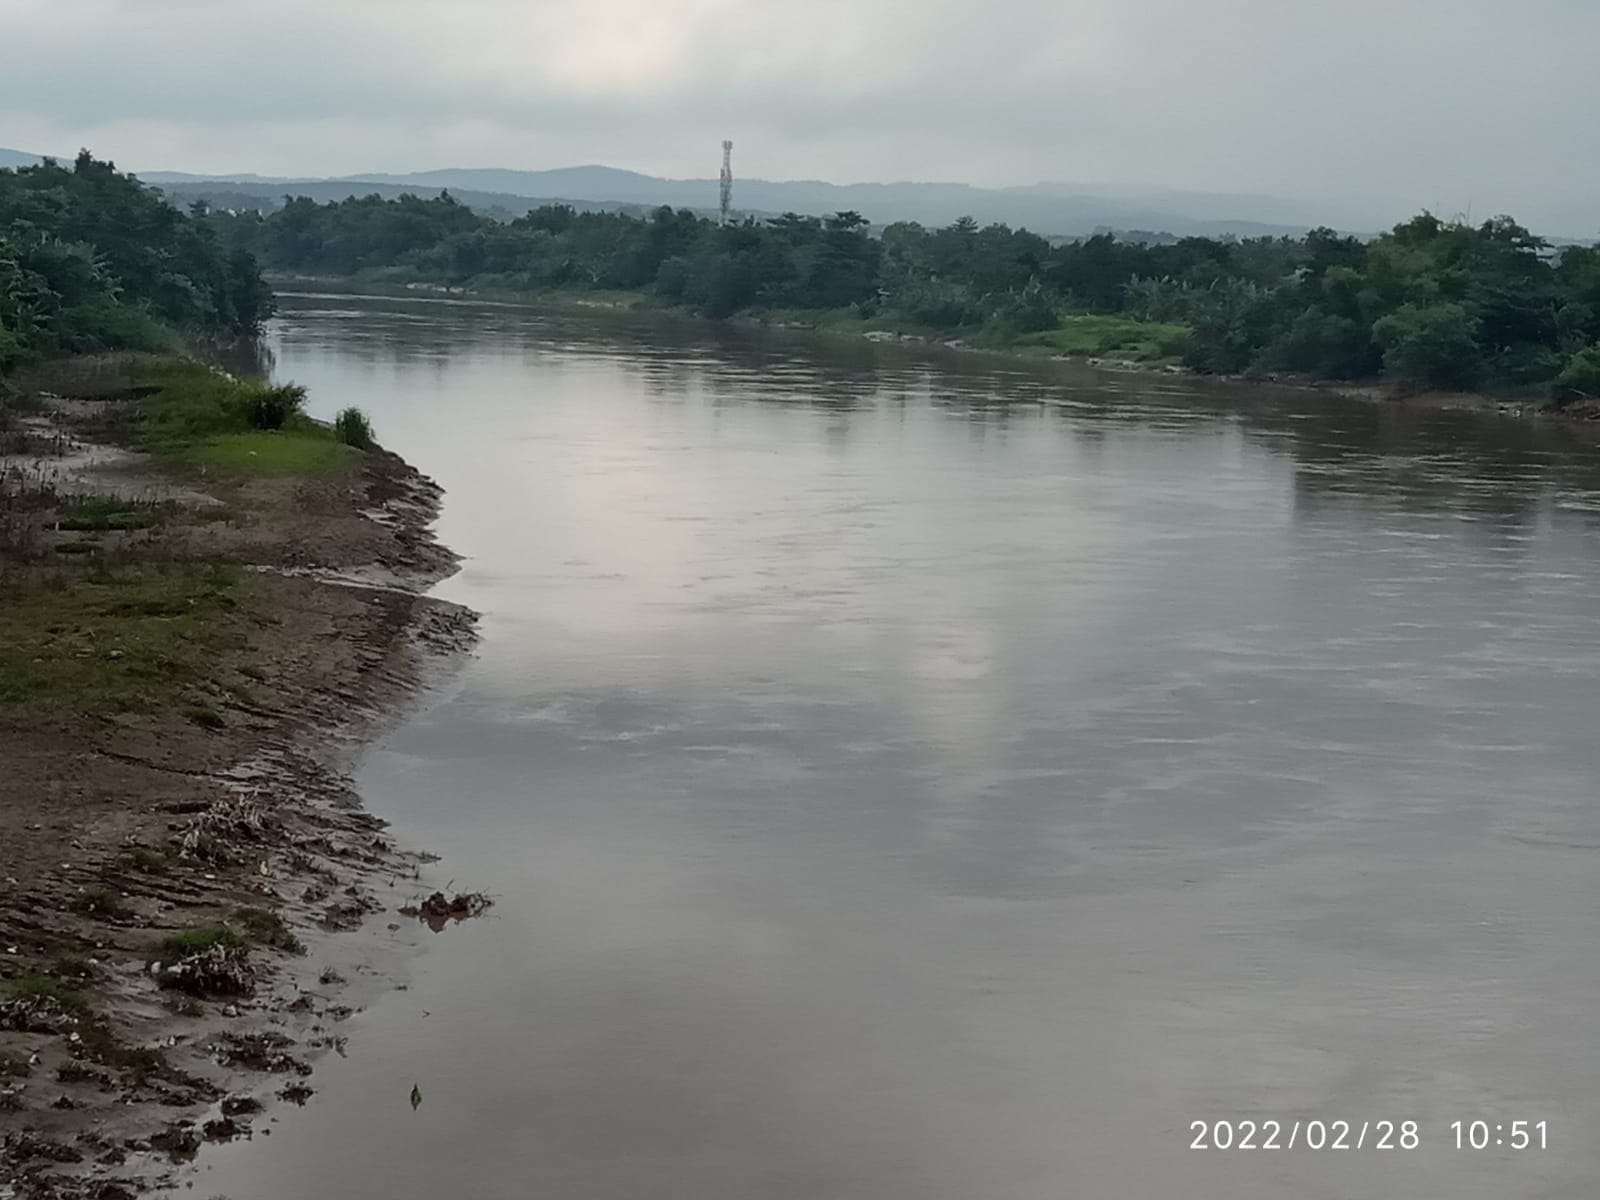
1049,208
1061,209
244,192
17,158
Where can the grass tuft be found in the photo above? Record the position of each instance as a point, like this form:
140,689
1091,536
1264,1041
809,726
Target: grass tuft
30,987
353,428
269,929
185,942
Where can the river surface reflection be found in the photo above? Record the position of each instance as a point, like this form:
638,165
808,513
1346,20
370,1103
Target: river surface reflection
914,775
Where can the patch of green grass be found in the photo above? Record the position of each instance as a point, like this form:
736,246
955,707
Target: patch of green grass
1108,336
113,640
85,514
196,941
30,986
269,929
312,451
189,413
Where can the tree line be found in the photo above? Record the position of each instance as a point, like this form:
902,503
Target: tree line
91,259
1432,303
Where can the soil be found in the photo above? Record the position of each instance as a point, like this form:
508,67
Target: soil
124,825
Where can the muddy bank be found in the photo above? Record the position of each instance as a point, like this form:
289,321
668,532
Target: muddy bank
191,895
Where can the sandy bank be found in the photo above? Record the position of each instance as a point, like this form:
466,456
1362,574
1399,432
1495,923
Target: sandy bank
184,685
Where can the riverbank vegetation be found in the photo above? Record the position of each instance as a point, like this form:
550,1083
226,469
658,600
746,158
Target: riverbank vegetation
92,260
1430,304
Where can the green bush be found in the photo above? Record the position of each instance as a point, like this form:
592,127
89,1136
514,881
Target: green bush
353,428
108,324
1430,345
270,407
1324,345
1580,378
1029,310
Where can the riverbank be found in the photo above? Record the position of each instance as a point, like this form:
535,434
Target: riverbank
204,626
1106,343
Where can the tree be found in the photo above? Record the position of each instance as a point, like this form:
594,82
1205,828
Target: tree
1580,378
1432,345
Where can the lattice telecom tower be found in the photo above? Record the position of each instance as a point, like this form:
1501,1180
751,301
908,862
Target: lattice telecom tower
727,183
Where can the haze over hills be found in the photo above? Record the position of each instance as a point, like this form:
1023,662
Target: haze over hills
1062,209
1047,208
1054,209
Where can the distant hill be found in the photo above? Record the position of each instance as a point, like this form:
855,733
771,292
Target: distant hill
1058,209
1046,208
244,193
17,158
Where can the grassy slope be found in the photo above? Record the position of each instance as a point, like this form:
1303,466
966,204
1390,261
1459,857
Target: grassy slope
113,640
92,635
200,418
1108,337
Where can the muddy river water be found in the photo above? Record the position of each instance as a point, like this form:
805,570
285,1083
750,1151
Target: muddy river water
906,774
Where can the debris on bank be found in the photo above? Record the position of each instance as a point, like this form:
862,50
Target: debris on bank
439,910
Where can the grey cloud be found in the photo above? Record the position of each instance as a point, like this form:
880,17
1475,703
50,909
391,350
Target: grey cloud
1468,103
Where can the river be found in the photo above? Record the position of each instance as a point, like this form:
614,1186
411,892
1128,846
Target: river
908,774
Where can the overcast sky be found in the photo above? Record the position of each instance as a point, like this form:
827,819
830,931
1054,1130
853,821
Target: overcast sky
1459,105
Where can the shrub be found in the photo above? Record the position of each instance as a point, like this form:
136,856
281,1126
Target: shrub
1028,311
105,323
1323,345
270,407
1580,378
1430,345
938,304
353,428
1227,322
196,941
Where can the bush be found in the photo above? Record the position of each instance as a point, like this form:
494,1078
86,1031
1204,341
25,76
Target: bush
1323,345
353,428
1430,345
107,324
268,407
1028,311
1580,378
938,304
1227,322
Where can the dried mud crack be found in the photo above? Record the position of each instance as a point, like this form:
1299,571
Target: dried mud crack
188,881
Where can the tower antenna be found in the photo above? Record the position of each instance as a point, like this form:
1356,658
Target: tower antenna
727,183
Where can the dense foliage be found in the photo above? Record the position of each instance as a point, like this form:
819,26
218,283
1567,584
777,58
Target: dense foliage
1429,304
92,259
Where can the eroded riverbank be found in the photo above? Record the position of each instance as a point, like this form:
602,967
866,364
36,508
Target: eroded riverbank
192,897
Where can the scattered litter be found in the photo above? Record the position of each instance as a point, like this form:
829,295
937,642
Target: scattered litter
438,910
240,1106
259,1052
219,970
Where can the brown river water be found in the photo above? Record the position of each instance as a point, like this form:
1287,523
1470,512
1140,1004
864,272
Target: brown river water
906,774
